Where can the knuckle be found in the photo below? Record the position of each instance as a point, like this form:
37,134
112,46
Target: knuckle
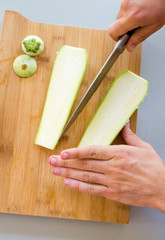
136,13
101,191
139,38
64,163
86,177
95,178
126,155
91,189
84,164
66,172
111,31
122,165
78,153
124,4
92,152
119,155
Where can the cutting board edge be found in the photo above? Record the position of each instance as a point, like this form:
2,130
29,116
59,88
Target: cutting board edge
6,12
66,218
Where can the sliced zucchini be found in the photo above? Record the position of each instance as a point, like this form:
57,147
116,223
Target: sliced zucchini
68,71
24,66
32,45
120,102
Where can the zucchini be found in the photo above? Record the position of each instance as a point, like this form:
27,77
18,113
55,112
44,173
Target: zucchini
24,66
68,71
120,102
32,45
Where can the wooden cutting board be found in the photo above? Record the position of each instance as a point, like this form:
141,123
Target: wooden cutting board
27,185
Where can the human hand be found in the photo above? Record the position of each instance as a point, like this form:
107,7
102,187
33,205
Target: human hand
132,174
147,16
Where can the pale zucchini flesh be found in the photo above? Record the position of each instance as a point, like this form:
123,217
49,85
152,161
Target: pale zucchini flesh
68,71
120,102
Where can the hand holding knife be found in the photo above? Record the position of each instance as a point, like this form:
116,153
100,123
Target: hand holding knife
119,48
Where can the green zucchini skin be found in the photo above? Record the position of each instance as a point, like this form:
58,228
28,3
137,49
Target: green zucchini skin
86,139
45,141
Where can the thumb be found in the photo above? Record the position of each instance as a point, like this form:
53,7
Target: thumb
130,137
141,34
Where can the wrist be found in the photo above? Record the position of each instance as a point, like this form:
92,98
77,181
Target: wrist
160,197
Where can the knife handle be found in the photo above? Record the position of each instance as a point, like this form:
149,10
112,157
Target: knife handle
121,43
130,32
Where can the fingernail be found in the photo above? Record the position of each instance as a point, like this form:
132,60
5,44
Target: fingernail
67,181
65,155
53,160
56,170
131,47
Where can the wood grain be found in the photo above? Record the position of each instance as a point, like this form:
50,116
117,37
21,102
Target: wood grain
27,185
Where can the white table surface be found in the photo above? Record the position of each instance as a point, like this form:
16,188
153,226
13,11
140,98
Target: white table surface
145,223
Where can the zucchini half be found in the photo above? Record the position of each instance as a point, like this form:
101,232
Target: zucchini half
120,102
68,71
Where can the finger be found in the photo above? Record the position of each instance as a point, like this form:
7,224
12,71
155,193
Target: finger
90,152
84,176
130,137
88,165
121,26
86,187
141,34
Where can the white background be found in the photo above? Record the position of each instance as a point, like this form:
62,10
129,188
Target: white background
145,223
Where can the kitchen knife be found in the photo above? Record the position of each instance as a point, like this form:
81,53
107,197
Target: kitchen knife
119,48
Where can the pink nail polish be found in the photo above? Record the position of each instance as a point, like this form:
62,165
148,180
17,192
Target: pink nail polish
131,48
67,181
53,160
56,170
65,155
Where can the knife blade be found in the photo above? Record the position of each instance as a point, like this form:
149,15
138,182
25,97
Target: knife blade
118,49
